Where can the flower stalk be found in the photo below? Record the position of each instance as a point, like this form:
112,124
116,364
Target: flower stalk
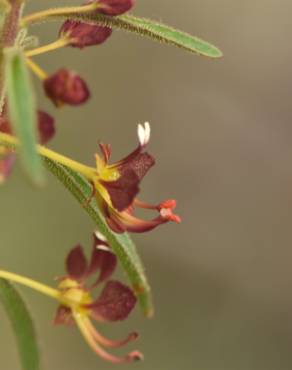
35,285
43,15
58,44
88,172
36,69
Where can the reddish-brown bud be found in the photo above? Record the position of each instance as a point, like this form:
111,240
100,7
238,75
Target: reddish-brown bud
82,34
67,87
46,127
113,7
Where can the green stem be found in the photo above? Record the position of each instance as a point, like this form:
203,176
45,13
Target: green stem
88,172
44,289
60,43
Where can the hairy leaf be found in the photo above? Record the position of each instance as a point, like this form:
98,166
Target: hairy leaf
22,326
22,112
141,26
159,32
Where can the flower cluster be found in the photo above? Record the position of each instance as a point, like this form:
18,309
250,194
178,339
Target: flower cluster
117,185
65,86
114,303
77,306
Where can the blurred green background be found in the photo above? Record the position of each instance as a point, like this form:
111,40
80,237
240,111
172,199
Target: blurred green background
222,138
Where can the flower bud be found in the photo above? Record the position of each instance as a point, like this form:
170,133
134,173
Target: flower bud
82,34
65,86
113,7
46,127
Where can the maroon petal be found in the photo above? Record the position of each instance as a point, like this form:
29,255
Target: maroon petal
103,259
123,191
106,151
140,164
76,263
115,302
115,225
46,127
63,316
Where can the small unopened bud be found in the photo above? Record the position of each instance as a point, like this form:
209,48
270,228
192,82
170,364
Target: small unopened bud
113,7
82,34
67,87
46,127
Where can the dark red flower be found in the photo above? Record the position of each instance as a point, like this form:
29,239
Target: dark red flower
66,87
113,7
114,303
80,34
118,184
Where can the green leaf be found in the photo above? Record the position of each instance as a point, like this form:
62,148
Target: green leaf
156,31
142,26
22,111
121,244
22,326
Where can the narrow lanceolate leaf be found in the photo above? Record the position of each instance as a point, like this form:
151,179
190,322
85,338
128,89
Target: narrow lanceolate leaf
22,326
164,33
143,27
22,112
121,244
159,32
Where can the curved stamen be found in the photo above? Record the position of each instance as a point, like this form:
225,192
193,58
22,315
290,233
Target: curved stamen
107,342
132,356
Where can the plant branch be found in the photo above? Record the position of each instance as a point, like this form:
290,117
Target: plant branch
88,172
43,15
60,43
7,39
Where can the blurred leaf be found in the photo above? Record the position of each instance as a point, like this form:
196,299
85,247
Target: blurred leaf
121,244
22,326
22,111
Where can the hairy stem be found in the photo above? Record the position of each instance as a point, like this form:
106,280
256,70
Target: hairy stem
43,15
7,39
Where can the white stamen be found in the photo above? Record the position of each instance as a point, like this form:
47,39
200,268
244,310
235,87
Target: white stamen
100,236
141,134
103,248
144,133
147,132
